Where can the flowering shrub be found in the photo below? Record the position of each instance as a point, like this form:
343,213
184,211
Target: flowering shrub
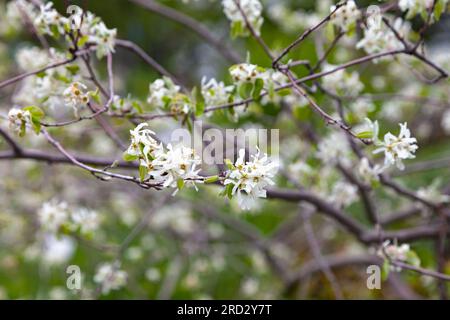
336,188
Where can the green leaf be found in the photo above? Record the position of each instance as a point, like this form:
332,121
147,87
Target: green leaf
365,135
73,69
284,92
211,179
245,90
137,106
412,258
237,29
142,172
82,41
439,8
23,129
36,124
229,189
180,184
229,164
36,112
128,157
259,84
95,95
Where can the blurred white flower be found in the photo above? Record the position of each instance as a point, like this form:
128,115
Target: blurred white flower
86,220
52,215
57,250
341,81
343,194
252,10
346,16
18,119
110,277
369,173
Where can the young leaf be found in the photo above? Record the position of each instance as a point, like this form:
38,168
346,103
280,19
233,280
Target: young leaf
259,84
128,157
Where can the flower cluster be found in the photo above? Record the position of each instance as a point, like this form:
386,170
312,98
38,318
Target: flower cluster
76,96
55,216
248,180
343,194
333,148
252,9
397,148
369,173
49,21
395,252
379,38
215,92
46,88
422,7
246,73
171,167
164,94
91,30
110,277
346,16
18,120
342,82
12,14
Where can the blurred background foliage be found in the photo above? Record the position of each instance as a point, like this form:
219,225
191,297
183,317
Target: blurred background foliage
207,259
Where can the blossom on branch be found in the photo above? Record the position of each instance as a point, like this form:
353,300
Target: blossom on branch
248,180
398,148
252,10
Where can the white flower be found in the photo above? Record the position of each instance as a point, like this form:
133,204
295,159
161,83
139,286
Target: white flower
166,166
86,220
215,93
32,58
11,20
379,38
445,122
76,96
346,16
361,107
176,217
342,82
162,91
18,119
178,163
400,253
104,39
432,193
53,215
249,179
152,274
110,277
398,148
421,7
57,250
333,148
143,145
251,8
369,173
246,73
50,21
343,194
